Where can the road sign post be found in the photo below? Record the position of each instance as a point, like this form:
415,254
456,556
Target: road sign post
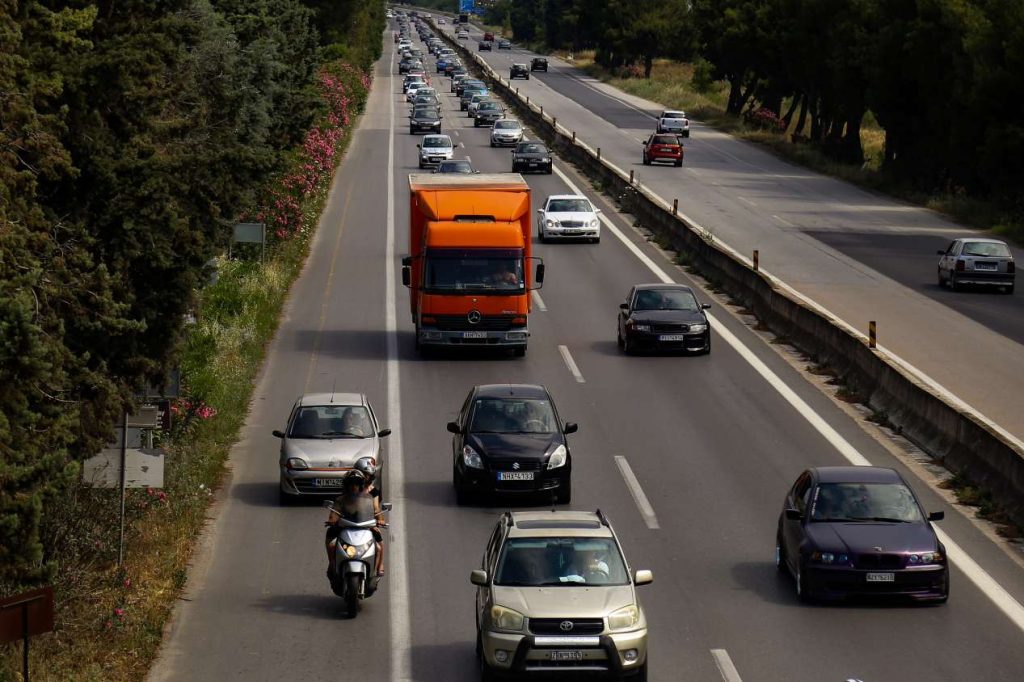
251,233
23,616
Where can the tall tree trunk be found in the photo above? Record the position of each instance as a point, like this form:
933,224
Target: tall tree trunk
851,150
734,95
801,121
648,65
746,96
788,118
815,121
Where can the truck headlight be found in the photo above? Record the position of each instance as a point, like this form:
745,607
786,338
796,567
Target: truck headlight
471,458
506,619
624,618
558,458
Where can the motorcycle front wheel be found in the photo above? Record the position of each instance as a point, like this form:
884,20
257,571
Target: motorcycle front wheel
353,581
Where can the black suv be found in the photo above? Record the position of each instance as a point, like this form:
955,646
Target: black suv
508,438
531,156
519,71
539,64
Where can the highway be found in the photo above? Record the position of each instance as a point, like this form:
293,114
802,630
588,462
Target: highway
714,442
861,255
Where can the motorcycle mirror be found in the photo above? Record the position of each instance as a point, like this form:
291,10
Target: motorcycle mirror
386,506
327,505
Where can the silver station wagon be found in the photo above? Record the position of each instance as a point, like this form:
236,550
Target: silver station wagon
977,261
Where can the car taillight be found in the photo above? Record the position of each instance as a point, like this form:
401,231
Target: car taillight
959,266
1010,267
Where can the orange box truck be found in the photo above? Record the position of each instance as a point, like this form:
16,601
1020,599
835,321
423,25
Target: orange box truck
469,265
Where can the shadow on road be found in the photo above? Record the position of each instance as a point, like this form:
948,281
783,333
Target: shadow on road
323,606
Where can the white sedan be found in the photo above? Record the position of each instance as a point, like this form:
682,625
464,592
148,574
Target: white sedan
569,216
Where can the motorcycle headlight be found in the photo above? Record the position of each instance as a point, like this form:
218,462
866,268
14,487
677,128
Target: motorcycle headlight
506,619
624,618
698,328
471,458
559,456
296,463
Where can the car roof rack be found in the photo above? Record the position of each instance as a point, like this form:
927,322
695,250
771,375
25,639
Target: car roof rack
603,518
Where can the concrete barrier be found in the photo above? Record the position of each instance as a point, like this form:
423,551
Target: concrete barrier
963,440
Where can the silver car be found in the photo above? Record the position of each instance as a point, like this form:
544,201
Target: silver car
326,434
977,261
506,131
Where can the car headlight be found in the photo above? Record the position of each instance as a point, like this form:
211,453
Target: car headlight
830,558
698,328
471,458
592,223
296,463
926,558
559,456
639,327
546,160
506,619
551,223
624,618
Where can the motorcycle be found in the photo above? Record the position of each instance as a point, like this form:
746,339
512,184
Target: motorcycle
354,575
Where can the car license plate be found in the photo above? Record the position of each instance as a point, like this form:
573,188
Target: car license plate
532,164
566,655
881,577
515,475
327,482
672,337
572,231
986,266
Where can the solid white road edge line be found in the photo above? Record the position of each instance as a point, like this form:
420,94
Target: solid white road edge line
1003,600
538,301
642,503
725,665
571,364
398,599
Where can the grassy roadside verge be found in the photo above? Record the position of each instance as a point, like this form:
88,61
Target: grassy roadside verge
110,621
671,84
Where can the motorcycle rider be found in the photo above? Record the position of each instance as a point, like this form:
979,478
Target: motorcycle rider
346,505
368,468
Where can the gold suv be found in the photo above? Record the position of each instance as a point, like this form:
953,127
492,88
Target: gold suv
556,595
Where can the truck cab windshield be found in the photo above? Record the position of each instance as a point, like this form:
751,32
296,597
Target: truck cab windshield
471,272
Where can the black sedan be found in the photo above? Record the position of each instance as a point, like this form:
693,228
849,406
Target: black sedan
858,531
425,119
519,71
663,317
487,113
531,156
509,439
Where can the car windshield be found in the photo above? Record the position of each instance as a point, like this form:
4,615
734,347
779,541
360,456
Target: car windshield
665,139
472,272
506,125
488,106
673,114
437,141
455,167
425,113
560,562
512,415
665,299
331,421
891,502
531,148
986,249
569,206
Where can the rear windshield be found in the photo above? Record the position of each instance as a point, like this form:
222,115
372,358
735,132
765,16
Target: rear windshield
986,249
666,139
531,148
673,114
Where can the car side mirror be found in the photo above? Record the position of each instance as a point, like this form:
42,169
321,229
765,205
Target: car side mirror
384,433
418,147
478,577
937,516
277,433
386,506
453,427
406,275
793,514
643,577
624,306
705,306
571,427
941,253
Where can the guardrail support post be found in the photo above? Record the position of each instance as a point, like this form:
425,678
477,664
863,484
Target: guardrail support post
542,111
598,153
631,176
675,206
872,335
757,260
517,92
554,122
574,137
527,99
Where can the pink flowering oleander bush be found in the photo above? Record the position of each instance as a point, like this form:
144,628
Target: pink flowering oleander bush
342,88
765,119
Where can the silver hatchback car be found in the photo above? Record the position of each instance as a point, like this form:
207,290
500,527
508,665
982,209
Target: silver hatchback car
977,261
326,434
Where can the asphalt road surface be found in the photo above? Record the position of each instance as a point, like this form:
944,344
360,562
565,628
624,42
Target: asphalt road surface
713,443
859,254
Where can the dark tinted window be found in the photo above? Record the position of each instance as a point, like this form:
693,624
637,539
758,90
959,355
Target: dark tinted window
986,249
513,415
864,502
665,299
665,139
531,148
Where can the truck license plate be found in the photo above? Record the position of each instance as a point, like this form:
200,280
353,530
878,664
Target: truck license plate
515,475
474,335
327,482
566,655
672,337
881,577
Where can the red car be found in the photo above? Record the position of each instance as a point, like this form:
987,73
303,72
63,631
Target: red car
663,147
489,36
